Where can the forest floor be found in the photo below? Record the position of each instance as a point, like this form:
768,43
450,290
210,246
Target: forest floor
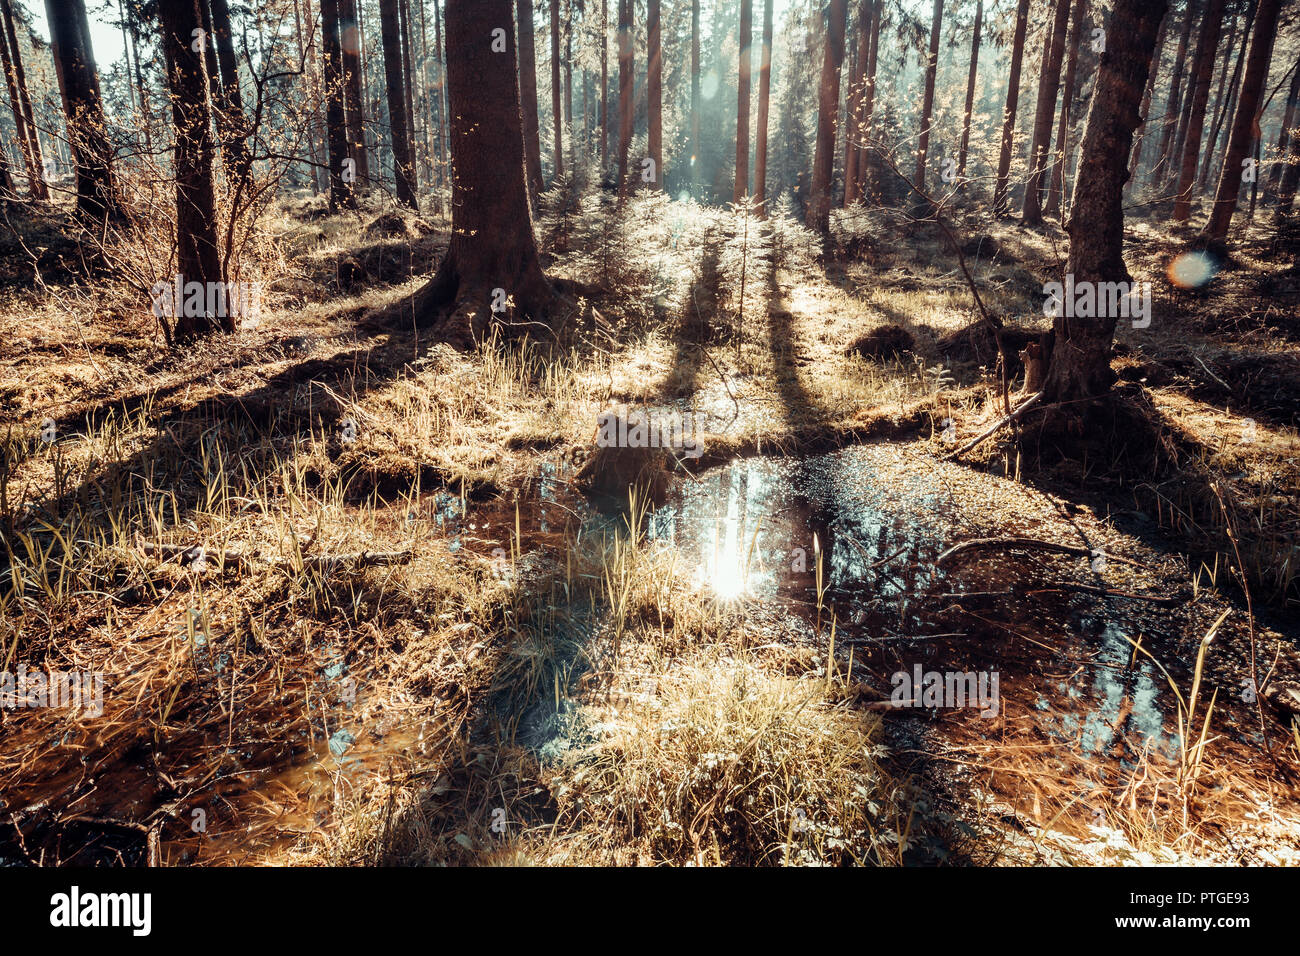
360,597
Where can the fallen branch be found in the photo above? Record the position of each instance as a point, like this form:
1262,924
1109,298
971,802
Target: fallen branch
1035,544
1165,600
199,559
1004,420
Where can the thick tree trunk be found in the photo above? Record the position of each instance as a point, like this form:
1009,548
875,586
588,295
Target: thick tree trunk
557,92
1000,203
625,47
1219,144
828,105
350,38
528,95
1173,106
1049,82
231,105
1245,124
655,91
1079,364
97,198
927,103
492,258
20,99
742,100
1220,96
970,89
343,166
198,257
394,80
1207,48
764,102
1056,187
408,86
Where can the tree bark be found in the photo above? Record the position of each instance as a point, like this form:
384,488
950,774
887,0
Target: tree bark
764,101
394,80
1056,187
20,100
1173,106
868,98
853,115
492,246
625,47
97,197
1220,95
1000,203
927,104
1079,363
655,91
350,38
1285,138
1245,124
343,166
819,205
231,104
1207,49
198,258
1136,165
1049,82
528,95
742,100
970,89
557,92
695,94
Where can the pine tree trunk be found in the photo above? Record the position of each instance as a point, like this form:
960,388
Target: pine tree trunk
695,94
1079,362
764,102
394,80
197,255
1219,144
1049,82
655,91
97,198
1173,106
819,205
491,246
21,102
231,104
927,105
1285,138
1136,165
343,166
1056,187
742,100
557,109
528,95
1207,49
868,97
625,47
408,86
1220,95
350,38
1246,120
970,89
1000,203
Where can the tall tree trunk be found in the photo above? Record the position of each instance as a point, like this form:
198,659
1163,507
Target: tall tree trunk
828,105
408,86
1290,166
1079,363
1000,203
492,254
97,197
1221,96
1173,105
927,104
764,101
28,140
625,46
655,91
394,79
970,89
1049,81
742,100
343,166
350,38
604,87
440,102
1056,188
139,80
557,110
231,104
528,95
695,94
1245,124
1207,48
857,91
568,76
198,257
1285,137
1220,144
1135,166
868,97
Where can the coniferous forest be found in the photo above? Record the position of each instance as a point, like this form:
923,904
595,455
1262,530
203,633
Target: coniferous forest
649,432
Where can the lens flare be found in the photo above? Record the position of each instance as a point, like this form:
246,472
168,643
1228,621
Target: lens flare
1191,270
